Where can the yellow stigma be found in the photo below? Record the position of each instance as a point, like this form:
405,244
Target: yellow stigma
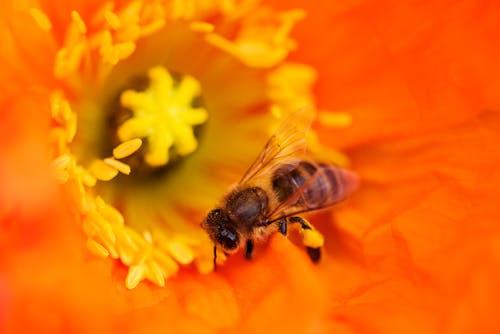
164,115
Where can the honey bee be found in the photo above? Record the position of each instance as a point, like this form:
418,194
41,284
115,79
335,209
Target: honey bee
280,184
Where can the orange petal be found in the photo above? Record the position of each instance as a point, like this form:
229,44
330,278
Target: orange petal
426,217
401,68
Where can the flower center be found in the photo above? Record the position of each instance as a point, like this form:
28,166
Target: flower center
165,113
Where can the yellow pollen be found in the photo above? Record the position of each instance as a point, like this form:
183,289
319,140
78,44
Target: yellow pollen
41,19
163,114
312,238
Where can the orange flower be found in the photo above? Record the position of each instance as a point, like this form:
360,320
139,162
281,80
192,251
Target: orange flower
414,250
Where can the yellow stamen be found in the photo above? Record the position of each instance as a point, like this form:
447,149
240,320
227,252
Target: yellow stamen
199,26
62,113
100,14
86,178
167,263
62,162
135,275
118,165
164,116
289,19
152,28
60,108
112,19
41,19
71,128
68,60
290,86
111,52
222,43
180,252
97,249
156,274
102,226
102,223
75,16
263,39
127,148
115,40
148,237
61,176
204,265
108,212
102,171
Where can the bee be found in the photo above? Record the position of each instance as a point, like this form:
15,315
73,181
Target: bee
280,184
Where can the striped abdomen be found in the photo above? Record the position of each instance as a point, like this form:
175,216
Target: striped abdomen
310,185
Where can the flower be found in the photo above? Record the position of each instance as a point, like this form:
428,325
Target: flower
423,138
124,118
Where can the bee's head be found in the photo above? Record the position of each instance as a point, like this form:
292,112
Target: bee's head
222,230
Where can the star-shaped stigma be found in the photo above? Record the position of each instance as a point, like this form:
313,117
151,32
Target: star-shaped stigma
165,114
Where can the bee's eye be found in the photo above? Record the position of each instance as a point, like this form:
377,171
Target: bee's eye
228,239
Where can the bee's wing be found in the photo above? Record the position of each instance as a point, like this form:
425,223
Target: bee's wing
346,182
288,142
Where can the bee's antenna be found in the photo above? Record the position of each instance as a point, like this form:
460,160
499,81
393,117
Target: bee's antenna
215,258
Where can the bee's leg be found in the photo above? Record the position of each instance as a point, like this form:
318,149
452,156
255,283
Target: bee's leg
248,249
312,239
283,226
